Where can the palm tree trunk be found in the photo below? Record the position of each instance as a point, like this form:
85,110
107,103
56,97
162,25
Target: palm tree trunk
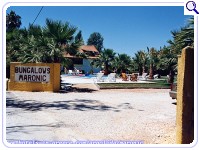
151,71
106,71
143,69
171,76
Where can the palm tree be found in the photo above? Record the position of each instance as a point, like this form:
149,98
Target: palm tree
122,63
180,37
14,38
14,41
105,60
30,51
187,33
47,44
153,59
63,35
168,61
35,30
31,45
140,60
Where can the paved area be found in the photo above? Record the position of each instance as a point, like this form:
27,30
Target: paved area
134,114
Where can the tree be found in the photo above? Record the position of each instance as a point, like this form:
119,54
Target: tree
13,38
141,60
168,61
122,63
63,35
97,40
79,38
46,44
105,60
153,59
187,33
179,41
35,30
13,21
180,37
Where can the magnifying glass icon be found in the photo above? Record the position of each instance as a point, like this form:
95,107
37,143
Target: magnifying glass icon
191,6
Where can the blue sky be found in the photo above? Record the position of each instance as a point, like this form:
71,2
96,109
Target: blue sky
126,29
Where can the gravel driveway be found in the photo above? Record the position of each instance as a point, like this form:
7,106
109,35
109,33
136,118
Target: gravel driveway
136,114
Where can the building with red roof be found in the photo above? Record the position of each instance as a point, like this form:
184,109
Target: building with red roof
82,63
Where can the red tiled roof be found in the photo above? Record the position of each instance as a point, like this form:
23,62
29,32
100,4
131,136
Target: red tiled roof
82,49
90,48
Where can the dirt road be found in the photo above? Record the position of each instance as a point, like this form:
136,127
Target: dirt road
136,114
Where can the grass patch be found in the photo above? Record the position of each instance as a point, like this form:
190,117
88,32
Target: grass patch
157,84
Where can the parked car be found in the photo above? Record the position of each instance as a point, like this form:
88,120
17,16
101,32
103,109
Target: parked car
173,91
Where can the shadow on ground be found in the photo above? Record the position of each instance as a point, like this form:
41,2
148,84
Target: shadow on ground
80,90
30,129
21,128
76,104
66,88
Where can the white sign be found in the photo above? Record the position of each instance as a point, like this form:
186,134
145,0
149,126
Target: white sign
32,73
